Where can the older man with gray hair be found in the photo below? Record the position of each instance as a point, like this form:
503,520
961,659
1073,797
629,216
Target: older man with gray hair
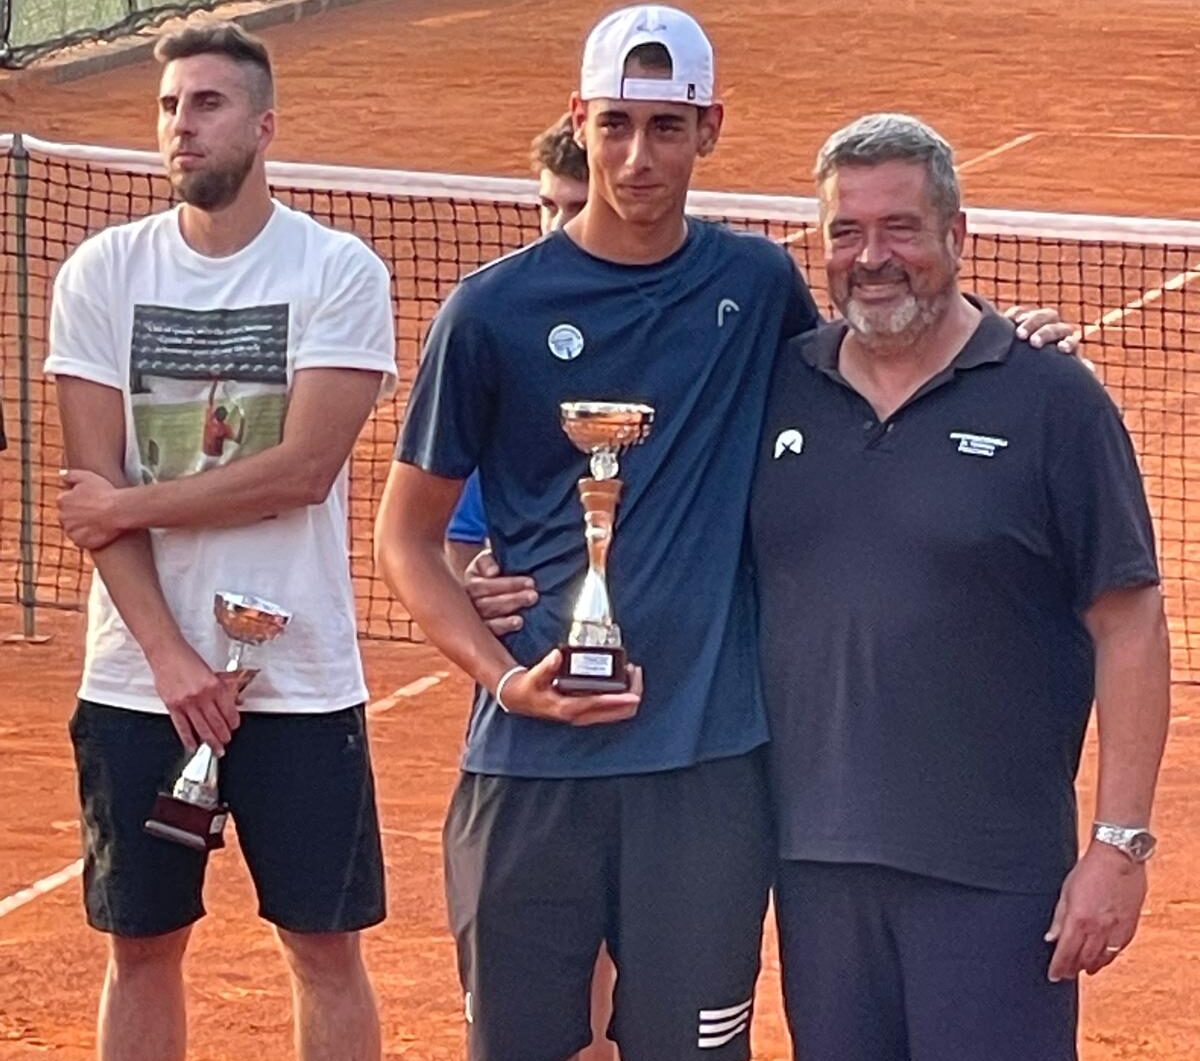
954,556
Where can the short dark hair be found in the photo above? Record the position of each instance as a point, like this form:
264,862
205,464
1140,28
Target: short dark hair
555,149
653,56
230,40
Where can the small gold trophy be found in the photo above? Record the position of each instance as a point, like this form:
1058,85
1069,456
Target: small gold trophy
593,656
192,813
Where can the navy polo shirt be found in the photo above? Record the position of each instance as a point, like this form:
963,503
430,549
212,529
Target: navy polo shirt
695,336
922,581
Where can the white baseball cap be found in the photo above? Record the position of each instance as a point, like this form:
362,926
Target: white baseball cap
616,35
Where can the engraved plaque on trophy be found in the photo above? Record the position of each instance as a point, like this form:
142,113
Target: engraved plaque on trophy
192,813
593,655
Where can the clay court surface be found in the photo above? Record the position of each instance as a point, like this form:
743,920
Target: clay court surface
1052,105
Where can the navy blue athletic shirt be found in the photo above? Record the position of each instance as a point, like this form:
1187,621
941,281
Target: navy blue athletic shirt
923,581
695,336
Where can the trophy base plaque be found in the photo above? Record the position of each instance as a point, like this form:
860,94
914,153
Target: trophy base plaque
191,824
588,670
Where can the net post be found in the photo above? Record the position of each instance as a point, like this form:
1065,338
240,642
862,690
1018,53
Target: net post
6,21
28,601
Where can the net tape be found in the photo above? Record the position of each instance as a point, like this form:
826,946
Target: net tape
1132,284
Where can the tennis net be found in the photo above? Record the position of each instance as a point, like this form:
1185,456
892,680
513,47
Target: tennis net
1132,284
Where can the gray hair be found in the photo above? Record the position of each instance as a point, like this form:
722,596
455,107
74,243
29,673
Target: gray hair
877,138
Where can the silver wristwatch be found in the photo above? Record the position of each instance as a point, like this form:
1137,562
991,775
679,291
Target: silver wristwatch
1135,843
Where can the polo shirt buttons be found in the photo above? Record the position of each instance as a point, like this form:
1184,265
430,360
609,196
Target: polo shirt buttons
868,424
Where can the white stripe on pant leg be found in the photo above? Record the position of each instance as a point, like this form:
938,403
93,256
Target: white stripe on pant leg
721,1026
711,1042
716,1027
728,1011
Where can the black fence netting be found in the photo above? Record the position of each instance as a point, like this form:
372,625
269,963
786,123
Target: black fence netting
1131,284
32,28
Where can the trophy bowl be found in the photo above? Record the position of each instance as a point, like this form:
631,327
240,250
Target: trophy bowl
595,426
248,619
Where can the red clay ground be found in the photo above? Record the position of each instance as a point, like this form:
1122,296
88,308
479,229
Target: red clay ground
1142,1008
461,86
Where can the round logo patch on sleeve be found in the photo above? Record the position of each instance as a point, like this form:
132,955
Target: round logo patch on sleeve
565,342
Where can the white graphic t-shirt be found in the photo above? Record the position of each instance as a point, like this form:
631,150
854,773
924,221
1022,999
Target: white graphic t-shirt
205,351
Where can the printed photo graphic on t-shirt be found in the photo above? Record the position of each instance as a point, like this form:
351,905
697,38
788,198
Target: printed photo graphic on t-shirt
207,386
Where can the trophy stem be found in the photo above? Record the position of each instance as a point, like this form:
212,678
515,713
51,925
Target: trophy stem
198,782
236,650
191,813
599,497
593,659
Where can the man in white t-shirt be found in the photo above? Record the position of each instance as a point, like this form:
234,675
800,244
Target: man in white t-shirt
229,302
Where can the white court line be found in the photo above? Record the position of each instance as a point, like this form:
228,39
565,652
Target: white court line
41,887
406,692
69,873
1180,280
1016,141
1127,136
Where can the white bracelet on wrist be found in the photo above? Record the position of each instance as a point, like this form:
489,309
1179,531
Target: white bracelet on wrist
504,681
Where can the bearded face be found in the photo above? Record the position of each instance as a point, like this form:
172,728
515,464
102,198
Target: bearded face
215,184
891,257
893,301
212,128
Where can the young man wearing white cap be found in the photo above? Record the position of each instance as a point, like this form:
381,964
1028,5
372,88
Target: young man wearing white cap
639,818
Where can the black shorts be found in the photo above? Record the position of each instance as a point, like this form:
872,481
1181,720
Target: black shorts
881,965
299,788
672,869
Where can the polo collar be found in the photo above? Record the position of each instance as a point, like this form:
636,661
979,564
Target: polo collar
989,344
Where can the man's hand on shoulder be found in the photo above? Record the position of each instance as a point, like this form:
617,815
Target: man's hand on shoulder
1097,913
1043,326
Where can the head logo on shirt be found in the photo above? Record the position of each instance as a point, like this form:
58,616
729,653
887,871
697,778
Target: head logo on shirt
789,441
565,342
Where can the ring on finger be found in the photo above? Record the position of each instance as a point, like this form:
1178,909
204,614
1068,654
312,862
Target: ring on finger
1113,949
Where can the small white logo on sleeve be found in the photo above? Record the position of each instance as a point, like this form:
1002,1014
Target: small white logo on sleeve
565,342
789,441
721,1026
978,445
726,305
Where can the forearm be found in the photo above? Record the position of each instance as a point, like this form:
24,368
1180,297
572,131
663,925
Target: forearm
460,554
127,567
1133,686
417,572
92,419
258,487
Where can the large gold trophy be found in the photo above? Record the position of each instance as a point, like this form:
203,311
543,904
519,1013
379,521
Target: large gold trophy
593,655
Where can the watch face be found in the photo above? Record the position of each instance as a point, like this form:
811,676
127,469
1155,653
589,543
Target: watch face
1141,846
